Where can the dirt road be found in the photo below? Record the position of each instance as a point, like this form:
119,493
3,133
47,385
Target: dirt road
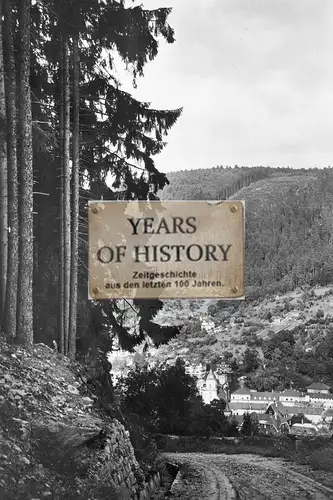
243,477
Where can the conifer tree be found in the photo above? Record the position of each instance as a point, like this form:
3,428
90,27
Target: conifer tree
247,425
3,181
24,299
75,201
10,86
122,143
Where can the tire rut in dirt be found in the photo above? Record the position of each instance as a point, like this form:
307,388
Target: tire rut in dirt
245,477
258,478
201,480
224,488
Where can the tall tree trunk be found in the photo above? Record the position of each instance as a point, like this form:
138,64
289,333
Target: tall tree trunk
67,198
25,310
75,200
3,183
61,323
10,81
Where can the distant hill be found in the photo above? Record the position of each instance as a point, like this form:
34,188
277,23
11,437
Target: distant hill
289,277
234,327
289,220
220,183
237,326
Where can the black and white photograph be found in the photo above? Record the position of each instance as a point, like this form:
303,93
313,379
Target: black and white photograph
166,250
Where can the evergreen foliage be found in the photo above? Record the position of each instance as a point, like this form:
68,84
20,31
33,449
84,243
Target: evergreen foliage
288,221
247,425
250,425
166,400
113,138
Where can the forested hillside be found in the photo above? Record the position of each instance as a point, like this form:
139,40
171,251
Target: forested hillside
289,220
219,182
286,317
274,341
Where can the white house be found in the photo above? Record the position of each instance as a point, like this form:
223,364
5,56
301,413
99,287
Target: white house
328,415
325,400
211,385
221,373
304,429
207,324
197,370
313,405
209,388
318,387
290,397
241,395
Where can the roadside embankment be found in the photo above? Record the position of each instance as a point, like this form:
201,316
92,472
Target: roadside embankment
55,442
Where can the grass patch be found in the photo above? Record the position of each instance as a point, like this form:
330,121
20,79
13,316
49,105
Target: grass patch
261,445
322,459
316,452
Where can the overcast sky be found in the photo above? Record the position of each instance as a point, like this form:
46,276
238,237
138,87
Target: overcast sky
255,79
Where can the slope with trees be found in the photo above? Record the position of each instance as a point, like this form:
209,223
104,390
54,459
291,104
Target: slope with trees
288,220
165,399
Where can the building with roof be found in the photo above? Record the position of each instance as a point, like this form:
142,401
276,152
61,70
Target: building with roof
212,384
222,372
271,421
328,415
290,397
312,413
195,370
319,399
222,394
239,408
211,389
242,394
311,404
207,323
208,388
318,387
244,400
304,429
277,410
271,424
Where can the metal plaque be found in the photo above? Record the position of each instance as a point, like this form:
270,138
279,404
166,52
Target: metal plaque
166,249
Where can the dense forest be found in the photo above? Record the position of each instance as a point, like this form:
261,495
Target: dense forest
288,220
217,183
281,336
66,127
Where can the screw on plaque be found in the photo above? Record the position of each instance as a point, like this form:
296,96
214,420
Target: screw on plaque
233,208
95,290
234,289
95,210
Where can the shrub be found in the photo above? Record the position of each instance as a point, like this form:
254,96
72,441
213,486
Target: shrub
300,305
305,296
238,320
144,446
255,341
252,329
211,340
322,459
288,306
268,316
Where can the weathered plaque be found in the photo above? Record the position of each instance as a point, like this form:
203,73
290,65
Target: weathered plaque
166,249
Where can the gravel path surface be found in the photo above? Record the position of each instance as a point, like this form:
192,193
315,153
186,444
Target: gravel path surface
243,477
